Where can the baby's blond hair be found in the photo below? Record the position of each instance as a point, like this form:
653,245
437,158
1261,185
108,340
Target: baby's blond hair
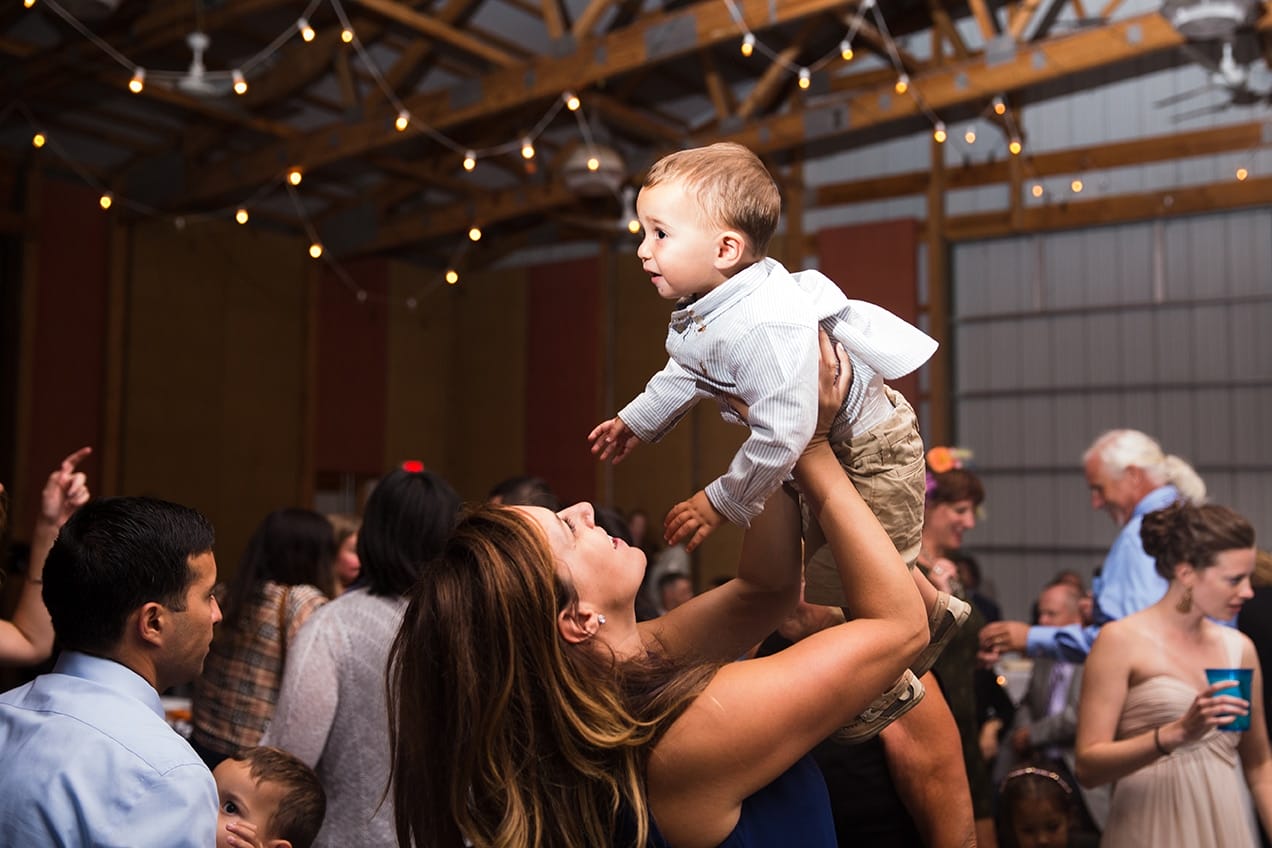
731,185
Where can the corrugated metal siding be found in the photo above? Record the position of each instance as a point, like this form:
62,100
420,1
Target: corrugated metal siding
1165,327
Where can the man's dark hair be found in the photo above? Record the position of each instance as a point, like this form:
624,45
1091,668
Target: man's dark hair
304,803
525,491
407,520
114,555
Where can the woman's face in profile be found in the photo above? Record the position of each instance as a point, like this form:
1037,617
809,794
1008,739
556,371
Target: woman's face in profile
347,565
605,571
945,523
1223,588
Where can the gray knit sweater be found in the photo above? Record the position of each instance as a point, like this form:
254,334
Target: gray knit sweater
331,713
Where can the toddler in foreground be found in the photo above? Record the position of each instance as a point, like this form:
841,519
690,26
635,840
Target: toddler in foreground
745,328
269,799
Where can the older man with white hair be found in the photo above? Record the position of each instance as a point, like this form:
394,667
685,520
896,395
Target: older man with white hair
1129,476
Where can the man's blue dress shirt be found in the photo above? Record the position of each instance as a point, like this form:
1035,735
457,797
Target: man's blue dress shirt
1128,583
87,759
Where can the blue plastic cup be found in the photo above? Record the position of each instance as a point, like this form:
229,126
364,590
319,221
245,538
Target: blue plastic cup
1244,678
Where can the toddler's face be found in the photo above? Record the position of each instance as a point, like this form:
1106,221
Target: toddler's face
678,249
242,799
1040,823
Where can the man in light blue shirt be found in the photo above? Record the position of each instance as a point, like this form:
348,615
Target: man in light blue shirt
1129,477
86,757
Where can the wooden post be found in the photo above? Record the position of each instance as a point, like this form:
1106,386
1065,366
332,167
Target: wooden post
939,430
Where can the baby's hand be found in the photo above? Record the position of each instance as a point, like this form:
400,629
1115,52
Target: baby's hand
612,438
241,834
693,519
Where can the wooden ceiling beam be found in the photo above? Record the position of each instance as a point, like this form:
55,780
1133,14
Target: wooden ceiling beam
705,22
776,76
418,51
204,108
1121,209
975,80
984,20
1117,154
483,210
554,18
945,26
1109,8
717,90
585,24
1021,17
301,64
435,28
643,122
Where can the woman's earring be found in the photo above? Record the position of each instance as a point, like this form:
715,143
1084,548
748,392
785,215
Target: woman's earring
600,618
1185,603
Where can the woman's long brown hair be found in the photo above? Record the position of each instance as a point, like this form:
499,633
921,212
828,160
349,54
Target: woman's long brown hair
502,732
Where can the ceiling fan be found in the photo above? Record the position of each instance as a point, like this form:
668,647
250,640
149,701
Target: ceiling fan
197,81
1242,83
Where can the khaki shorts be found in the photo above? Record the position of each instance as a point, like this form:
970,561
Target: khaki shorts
887,466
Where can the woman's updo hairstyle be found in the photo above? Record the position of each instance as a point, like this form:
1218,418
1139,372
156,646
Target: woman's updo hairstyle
1184,532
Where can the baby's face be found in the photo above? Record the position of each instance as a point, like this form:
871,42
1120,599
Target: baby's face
243,800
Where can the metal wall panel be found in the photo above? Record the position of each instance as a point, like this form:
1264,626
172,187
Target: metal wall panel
1162,327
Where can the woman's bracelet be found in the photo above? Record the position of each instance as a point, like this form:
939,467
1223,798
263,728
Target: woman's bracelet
1157,740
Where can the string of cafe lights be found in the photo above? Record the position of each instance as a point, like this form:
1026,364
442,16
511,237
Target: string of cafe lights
237,80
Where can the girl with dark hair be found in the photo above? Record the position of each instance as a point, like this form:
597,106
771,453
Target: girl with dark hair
331,712
1150,721
284,575
529,707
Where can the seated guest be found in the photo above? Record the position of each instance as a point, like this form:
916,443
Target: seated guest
86,757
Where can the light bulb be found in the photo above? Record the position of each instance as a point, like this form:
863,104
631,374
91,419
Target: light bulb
306,31
1015,146
38,140
1036,190
970,136
845,50
571,101
294,176
138,81
593,164
633,226
748,44
411,303
474,234
452,276
1076,185
805,78
1242,173
346,35
470,160
241,215
903,84
106,200
1000,108
938,134
240,84
403,121
527,148
315,250
28,3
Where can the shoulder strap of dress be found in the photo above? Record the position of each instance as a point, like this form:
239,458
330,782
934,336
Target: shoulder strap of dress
1232,636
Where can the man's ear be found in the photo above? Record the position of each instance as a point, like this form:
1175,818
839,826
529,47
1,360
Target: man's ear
730,249
151,622
577,624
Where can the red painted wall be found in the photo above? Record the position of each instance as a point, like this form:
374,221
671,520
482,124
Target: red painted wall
352,380
67,366
877,262
563,374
